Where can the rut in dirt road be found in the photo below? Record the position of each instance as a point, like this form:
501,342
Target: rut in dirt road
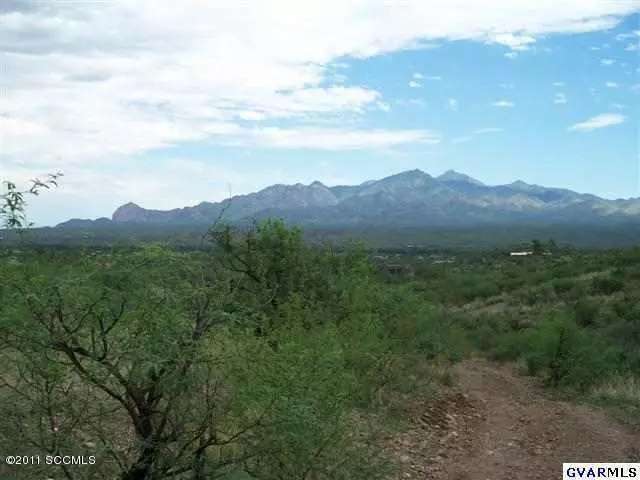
498,425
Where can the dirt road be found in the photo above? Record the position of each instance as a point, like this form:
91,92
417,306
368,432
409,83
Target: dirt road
498,425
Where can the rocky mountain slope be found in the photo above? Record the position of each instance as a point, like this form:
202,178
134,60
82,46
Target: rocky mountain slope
412,198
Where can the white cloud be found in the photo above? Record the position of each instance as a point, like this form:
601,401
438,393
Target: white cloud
251,115
452,104
503,104
319,100
599,121
632,47
517,42
334,139
624,36
511,55
433,77
619,106
464,139
558,84
414,84
385,107
607,62
418,76
106,81
611,84
560,98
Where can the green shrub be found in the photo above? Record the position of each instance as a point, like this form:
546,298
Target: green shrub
507,347
564,354
626,304
606,285
264,347
586,312
574,357
562,270
563,286
630,273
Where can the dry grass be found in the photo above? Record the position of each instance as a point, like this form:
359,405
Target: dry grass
621,397
625,389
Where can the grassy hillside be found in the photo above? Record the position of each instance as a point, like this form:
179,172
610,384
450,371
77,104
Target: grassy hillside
570,317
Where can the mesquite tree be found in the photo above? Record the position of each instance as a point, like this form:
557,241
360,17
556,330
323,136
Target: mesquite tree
13,201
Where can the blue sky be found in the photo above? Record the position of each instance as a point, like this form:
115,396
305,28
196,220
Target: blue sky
172,105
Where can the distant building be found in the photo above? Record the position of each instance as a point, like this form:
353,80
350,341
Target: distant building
521,254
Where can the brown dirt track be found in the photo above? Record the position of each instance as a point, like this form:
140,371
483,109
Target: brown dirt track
498,425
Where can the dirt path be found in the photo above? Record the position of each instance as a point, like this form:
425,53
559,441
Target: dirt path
498,425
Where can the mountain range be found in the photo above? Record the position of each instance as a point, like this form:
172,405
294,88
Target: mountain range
409,199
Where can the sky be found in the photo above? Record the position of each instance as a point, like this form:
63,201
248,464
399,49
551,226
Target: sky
168,104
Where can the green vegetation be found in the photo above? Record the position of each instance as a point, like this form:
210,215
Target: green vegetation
263,356
13,201
571,318
471,239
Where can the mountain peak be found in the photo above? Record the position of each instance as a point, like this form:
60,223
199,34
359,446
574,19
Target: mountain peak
414,172
453,176
130,205
412,197
128,211
525,187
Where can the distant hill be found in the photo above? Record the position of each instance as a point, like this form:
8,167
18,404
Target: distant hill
408,199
